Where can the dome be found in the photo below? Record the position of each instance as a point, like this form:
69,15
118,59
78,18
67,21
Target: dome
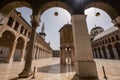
66,26
97,27
96,30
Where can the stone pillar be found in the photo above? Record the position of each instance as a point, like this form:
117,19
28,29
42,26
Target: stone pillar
94,53
19,27
102,54
85,65
62,57
97,52
13,25
72,56
28,63
23,53
108,53
115,53
11,52
36,53
39,53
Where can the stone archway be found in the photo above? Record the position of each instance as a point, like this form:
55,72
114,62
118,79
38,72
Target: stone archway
105,7
7,8
19,49
117,46
56,4
111,51
104,52
6,44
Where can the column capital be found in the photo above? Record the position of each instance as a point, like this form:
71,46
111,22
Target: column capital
35,20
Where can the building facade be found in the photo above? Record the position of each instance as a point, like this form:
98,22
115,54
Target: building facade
106,44
67,54
14,42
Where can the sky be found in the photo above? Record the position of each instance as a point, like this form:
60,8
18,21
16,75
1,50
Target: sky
54,23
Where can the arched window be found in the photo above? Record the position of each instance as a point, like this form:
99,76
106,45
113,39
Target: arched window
10,21
16,26
99,50
96,53
105,40
25,32
112,38
100,43
117,46
21,31
111,51
104,52
117,37
109,40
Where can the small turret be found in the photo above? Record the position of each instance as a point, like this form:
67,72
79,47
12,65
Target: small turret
42,33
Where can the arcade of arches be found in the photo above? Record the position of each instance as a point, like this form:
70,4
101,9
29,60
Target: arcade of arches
15,40
105,44
76,8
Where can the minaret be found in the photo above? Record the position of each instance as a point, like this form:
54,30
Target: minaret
42,33
49,43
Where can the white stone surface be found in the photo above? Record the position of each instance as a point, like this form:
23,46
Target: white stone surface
50,69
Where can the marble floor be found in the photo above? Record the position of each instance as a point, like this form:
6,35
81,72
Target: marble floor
50,69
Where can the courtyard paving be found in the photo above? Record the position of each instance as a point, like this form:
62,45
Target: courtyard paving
50,69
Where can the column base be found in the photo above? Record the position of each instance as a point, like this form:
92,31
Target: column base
25,74
86,70
9,61
22,60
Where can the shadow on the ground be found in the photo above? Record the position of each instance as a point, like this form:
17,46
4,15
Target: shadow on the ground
56,69
17,78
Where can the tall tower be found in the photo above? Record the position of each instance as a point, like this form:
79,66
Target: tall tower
42,33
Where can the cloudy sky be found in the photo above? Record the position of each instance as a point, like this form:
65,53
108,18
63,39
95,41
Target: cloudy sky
54,23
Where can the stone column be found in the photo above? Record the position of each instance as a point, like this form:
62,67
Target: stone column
36,55
72,56
28,63
40,53
108,53
97,52
19,27
102,53
11,52
13,25
85,65
94,53
62,57
23,53
115,53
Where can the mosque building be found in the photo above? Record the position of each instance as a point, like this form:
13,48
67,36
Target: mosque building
14,42
105,43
